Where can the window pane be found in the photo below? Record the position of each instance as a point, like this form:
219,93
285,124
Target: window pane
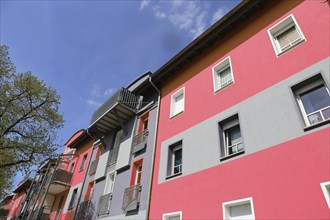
326,113
287,37
314,118
177,161
234,135
174,217
178,104
225,76
178,157
315,99
240,210
109,185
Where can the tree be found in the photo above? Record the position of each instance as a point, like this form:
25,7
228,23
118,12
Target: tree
29,118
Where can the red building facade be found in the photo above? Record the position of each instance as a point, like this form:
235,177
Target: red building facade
244,118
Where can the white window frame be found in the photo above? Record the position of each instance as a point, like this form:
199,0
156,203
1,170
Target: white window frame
227,205
326,192
173,97
138,173
106,188
281,27
225,128
174,149
300,104
166,216
216,72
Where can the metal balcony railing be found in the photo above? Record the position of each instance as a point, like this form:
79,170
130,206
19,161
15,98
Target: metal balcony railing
85,211
131,198
119,107
93,167
104,204
139,141
62,176
45,213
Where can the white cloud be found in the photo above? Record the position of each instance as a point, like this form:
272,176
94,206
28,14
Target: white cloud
218,14
91,102
200,25
97,95
108,92
95,92
144,3
190,16
158,12
183,14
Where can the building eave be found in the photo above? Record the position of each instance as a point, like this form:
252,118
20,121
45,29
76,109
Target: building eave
214,34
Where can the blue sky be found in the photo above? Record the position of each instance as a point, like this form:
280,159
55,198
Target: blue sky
87,50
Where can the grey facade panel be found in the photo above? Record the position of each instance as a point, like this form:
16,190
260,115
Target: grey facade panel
123,176
266,119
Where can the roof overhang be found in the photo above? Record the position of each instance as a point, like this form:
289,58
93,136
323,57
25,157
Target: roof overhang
78,139
214,34
114,113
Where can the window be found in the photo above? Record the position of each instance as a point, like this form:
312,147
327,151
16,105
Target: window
83,162
177,103
136,176
143,122
222,74
90,191
231,141
313,99
285,35
238,209
175,160
326,191
71,167
109,183
73,199
172,216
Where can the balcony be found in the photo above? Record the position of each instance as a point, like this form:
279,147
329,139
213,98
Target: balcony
131,198
60,182
85,210
93,167
140,141
104,204
114,112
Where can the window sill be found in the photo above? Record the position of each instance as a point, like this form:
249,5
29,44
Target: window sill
177,114
224,87
307,128
173,175
232,155
289,48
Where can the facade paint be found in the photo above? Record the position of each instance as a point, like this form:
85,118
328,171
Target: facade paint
284,161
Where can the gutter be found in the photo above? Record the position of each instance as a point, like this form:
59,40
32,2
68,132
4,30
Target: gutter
153,150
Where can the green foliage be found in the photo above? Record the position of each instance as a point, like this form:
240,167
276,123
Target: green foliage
29,118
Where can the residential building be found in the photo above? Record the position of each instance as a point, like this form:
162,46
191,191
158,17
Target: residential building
14,205
55,188
5,205
118,180
243,130
66,204
52,178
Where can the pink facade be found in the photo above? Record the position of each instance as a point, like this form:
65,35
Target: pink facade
19,195
81,143
283,177
311,16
